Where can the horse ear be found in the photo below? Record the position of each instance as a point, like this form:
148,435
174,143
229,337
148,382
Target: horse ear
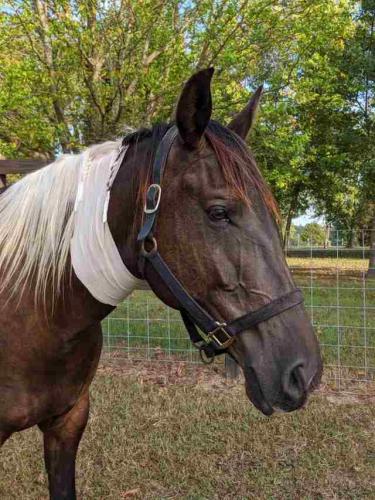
245,119
194,107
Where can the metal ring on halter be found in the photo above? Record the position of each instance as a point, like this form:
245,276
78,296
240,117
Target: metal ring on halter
204,358
154,249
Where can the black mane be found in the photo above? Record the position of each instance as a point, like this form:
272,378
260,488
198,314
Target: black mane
156,133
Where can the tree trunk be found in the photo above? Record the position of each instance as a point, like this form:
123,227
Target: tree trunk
371,265
291,213
40,10
350,239
326,237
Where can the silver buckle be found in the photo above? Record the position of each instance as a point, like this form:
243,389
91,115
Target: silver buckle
158,189
226,343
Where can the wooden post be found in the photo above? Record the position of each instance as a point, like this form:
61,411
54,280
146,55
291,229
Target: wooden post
3,177
371,266
3,181
232,370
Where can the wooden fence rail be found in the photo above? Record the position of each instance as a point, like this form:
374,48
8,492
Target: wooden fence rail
22,167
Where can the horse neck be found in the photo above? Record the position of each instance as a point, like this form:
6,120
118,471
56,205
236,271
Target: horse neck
77,306
124,209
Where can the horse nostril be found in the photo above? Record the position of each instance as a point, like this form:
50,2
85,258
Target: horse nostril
294,384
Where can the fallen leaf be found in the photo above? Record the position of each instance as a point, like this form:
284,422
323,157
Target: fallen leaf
130,493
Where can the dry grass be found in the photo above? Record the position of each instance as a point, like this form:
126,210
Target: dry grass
183,432
328,264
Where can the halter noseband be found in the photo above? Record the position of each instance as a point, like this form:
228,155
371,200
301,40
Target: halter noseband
213,337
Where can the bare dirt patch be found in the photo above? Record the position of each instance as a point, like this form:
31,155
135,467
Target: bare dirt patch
212,377
166,373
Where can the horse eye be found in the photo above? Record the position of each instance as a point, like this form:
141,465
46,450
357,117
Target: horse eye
218,213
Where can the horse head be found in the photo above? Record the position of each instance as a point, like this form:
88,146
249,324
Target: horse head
217,232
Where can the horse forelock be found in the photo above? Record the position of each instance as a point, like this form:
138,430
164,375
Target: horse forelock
239,167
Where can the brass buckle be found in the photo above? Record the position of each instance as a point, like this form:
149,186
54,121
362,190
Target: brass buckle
221,327
152,210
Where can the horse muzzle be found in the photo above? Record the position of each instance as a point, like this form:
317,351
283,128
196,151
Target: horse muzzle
291,392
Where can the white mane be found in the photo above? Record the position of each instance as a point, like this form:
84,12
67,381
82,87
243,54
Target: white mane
37,224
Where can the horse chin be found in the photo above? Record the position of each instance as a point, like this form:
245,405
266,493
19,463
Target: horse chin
255,394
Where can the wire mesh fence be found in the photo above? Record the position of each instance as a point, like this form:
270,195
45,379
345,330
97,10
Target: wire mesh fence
339,295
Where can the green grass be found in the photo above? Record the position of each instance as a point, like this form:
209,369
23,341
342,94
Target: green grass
343,314
196,441
342,309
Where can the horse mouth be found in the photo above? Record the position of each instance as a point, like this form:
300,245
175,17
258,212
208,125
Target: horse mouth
255,394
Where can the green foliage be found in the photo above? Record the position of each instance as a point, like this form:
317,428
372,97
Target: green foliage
346,187
73,73
313,234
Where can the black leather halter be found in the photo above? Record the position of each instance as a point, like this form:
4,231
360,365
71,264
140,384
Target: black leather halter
213,337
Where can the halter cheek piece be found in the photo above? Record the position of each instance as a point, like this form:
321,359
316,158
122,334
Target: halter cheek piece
213,337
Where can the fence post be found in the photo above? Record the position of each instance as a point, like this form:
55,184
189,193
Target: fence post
3,177
232,370
371,266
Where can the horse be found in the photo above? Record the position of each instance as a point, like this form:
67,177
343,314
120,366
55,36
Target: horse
189,215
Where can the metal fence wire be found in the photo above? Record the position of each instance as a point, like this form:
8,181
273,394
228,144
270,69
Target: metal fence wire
339,296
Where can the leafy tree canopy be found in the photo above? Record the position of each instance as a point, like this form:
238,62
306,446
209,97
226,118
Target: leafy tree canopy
74,73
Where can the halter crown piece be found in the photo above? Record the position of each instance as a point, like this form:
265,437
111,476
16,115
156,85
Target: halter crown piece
210,336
